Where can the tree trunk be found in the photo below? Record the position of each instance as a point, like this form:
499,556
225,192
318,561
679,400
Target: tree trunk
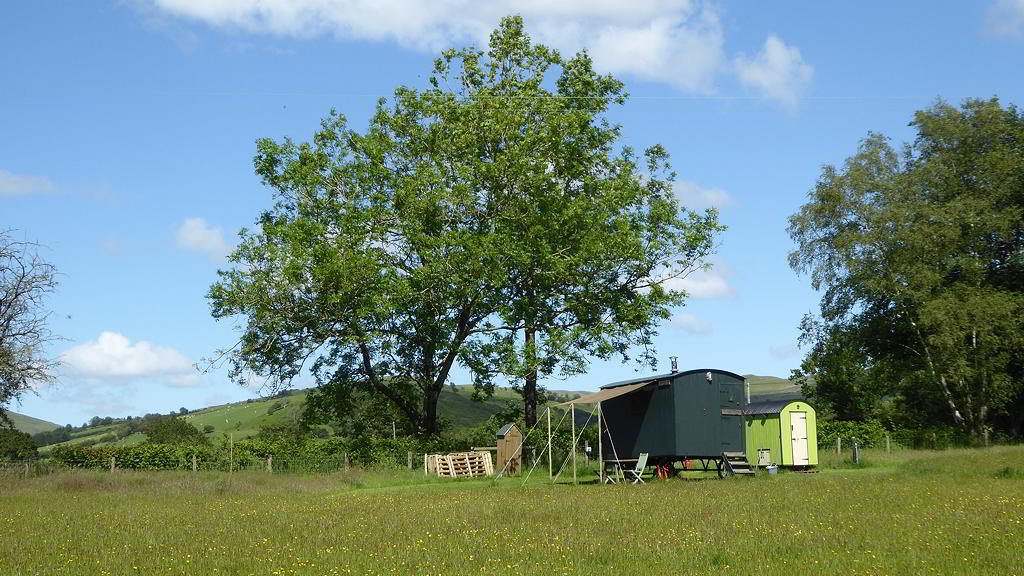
530,383
429,425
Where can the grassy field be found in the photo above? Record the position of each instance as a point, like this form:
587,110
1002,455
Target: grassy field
767,388
952,512
28,424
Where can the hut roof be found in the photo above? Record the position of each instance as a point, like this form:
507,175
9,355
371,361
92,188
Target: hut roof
505,429
670,375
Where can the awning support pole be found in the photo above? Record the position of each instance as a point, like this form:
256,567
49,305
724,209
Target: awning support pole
572,417
600,448
551,470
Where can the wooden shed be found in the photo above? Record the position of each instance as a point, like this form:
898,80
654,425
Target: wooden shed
783,433
674,417
510,450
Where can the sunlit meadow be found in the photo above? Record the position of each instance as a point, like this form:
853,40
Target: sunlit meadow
951,512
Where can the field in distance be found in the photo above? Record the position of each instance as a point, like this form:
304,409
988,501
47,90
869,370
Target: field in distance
952,512
28,424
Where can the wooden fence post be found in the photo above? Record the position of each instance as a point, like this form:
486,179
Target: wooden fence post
839,446
194,466
113,463
270,463
887,448
986,437
934,441
345,460
409,460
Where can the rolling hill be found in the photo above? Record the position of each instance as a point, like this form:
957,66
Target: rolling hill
30,425
243,419
768,388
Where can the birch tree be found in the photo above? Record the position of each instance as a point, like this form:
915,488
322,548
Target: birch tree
919,254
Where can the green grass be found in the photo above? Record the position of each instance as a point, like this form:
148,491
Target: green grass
30,425
952,512
243,419
767,388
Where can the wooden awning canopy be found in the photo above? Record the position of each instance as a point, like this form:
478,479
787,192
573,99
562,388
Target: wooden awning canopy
607,393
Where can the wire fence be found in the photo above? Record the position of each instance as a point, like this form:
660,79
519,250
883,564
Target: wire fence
28,468
273,464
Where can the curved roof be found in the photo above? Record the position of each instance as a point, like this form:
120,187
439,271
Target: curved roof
773,407
671,375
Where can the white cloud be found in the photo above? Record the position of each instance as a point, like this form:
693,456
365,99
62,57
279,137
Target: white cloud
20,185
695,197
691,324
777,72
705,284
676,42
1006,18
194,235
112,358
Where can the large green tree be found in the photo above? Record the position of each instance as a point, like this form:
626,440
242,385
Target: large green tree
492,219
919,253
590,230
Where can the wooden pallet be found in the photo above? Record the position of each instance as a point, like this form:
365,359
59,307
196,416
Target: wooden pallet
458,464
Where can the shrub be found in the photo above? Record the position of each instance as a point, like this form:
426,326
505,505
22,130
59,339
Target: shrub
16,445
141,457
173,430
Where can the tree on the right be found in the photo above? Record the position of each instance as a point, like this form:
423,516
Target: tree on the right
918,253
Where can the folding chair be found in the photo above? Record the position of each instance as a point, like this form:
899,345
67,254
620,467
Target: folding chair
635,476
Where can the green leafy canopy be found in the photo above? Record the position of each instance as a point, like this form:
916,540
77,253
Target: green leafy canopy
919,253
492,219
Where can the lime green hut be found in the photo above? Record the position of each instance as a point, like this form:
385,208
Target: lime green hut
783,433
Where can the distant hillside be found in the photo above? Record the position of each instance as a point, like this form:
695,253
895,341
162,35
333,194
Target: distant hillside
30,425
244,419
768,388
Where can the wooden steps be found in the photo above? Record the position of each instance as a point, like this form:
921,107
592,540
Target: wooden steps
735,463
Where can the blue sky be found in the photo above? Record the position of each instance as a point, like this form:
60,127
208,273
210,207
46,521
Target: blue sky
127,132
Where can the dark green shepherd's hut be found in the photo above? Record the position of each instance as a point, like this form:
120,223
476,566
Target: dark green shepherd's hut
674,417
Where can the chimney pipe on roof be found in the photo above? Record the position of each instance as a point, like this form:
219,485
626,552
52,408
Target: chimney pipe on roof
675,365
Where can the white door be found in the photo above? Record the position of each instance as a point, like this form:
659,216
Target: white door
798,425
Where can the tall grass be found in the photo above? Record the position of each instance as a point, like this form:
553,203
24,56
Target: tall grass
952,512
